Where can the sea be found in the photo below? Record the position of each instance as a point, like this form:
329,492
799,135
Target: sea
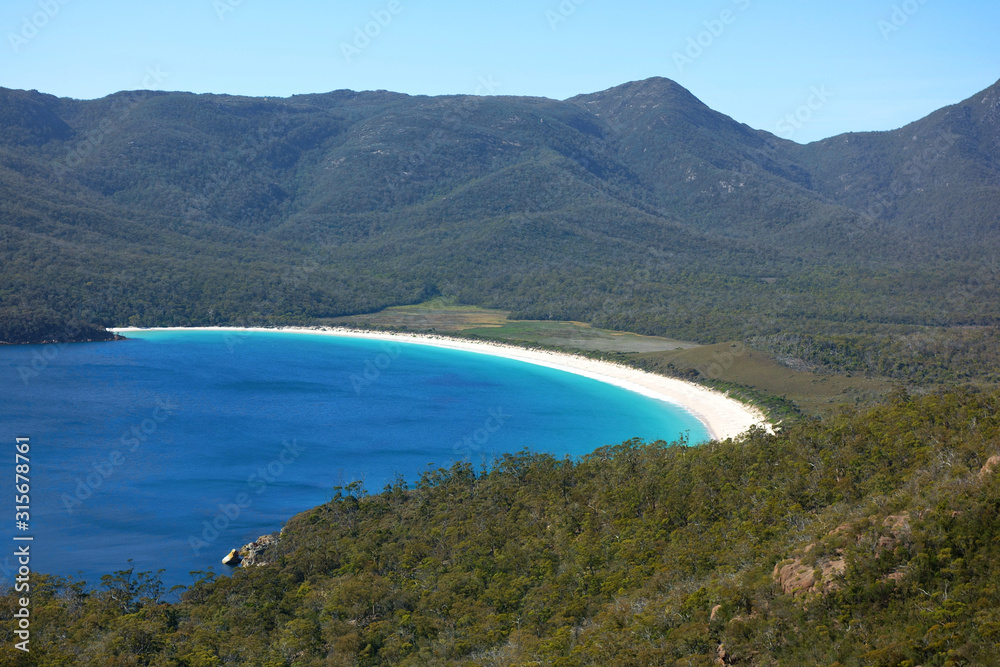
166,450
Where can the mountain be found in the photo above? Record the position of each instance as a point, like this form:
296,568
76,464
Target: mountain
936,178
634,208
723,175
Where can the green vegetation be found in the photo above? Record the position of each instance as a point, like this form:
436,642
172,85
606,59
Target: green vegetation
809,276
441,315
869,538
781,386
637,209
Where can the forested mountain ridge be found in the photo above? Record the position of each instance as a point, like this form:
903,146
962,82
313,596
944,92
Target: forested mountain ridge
867,538
635,208
936,177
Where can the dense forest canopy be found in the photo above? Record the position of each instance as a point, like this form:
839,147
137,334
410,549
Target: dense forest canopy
869,539
637,208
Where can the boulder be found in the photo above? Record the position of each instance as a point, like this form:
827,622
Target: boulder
253,553
796,578
899,531
991,465
232,559
842,528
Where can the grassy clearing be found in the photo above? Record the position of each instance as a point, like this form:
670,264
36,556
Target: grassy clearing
443,316
749,374
439,315
727,364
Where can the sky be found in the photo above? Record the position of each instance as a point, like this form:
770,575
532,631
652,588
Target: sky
803,69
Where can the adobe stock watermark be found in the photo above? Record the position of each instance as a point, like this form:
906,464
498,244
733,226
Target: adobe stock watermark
475,441
224,7
90,310
44,355
32,25
241,329
375,366
294,277
562,13
702,41
363,35
724,360
915,169
454,117
129,443
900,16
153,78
982,281
257,482
550,191
817,99
244,159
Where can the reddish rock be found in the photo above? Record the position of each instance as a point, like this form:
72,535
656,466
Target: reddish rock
899,531
795,578
991,464
896,576
897,523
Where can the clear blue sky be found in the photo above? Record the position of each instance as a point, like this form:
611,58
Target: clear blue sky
758,61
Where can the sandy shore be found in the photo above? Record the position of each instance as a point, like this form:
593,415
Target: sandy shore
724,417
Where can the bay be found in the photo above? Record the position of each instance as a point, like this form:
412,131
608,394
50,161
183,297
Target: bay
173,447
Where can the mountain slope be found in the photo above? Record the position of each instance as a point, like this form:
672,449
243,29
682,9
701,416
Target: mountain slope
637,207
936,178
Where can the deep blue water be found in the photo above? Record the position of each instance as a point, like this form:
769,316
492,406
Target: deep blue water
139,447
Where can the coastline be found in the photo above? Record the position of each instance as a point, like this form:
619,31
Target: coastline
723,417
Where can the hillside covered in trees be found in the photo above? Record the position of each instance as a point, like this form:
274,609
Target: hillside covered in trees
870,538
637,208
867,538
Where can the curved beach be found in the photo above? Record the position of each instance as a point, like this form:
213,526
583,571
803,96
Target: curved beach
723,416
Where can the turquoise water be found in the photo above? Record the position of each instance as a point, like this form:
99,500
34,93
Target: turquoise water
173,447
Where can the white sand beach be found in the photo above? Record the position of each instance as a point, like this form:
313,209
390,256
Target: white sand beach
724,417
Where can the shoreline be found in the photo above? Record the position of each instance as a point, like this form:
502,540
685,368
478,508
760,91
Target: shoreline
723,417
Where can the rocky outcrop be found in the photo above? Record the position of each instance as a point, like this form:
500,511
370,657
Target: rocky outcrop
232,559
257,553
802,573
991,464
899,531
797,578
